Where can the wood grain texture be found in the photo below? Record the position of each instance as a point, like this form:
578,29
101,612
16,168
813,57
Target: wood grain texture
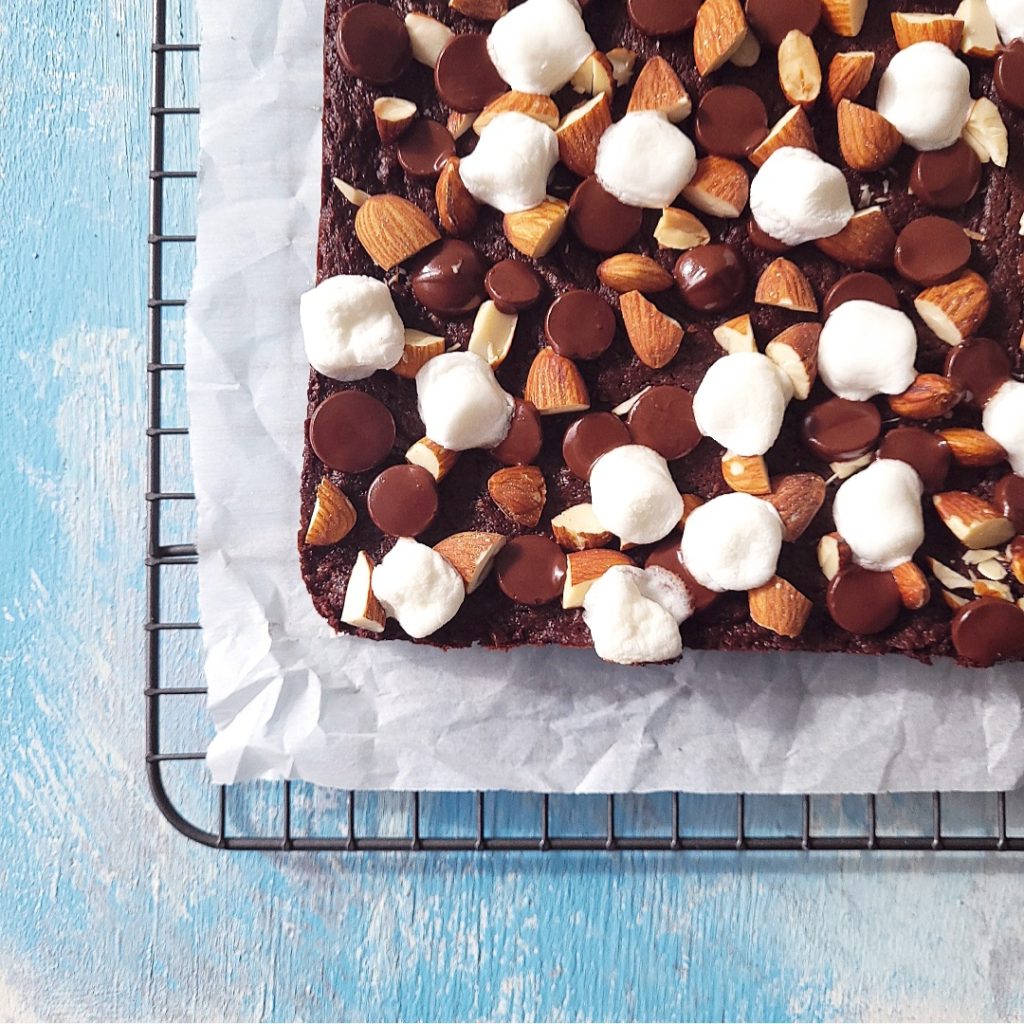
105,913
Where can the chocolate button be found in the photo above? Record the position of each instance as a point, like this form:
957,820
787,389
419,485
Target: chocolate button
402,501
424,147
861,286
731,121
1009,74
599,220
668,555
525,437
946,178
763,241
989,630
711,278
531,570
465,77
373,43
863,602
580,325
663,17
513,286
924,451
931,250
589,438
839,430
662,419
979,367
449,281
773,19
1009,499
352,432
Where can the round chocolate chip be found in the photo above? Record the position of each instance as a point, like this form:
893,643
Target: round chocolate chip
599,220
589,438
711,278
423,148
1009,74
931,250
449,279
989,630
663,17
662,419
924,451
465,77
373,43
402,501
946,178
863,602
1009,499
862,286
513,286
731,121
772,20
979,367
839,430
580,325
352,432
531,570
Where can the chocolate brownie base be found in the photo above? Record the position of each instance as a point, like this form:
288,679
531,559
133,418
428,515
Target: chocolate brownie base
352,152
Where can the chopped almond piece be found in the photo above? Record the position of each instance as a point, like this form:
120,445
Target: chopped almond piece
654,335
492,334
419,349
536,232
866,243
719,187
799,69
955,310
844,17
392,230
540,108
718,33
747,474
795,351
520,492
867,140
849,74
976,523
793,130
360,608
972,448
736,335
481,10
428,37
784,284
680,229
985,132
584,568
580,133
834,555
577,529
333,516
554,385
595,76
457,210
930,396
980,37
797,498
658,88
779,607
622,62
429,455
393,115
912,585
926,28
471,555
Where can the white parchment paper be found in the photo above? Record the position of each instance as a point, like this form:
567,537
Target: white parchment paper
291,699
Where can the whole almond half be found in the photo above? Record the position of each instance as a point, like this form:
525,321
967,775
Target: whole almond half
976,523
792,130
779,607
580,133
866,243
972,448
584,568
736,335
658,87
536,232
798,498
867,140
420,348
930,396
844,17
785,285
747,474
520,492
429,455
718,33
540,108
471,555
795,352
955,310
393,115
799,69
457,210
654,335
926,28
392,230
720,187
849,74
578,529
333,516
361,609
631,272
680,229
913,586
555,385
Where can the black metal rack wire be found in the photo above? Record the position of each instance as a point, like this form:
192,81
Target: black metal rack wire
296,816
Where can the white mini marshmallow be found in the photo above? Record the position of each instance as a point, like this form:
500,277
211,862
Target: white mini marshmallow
925,93
797,197
878,513
510,167
867,349
665,587
1009,18
1003,421
629,627
538,46
418,587
741,401
351,328
461,403
644,160
634,496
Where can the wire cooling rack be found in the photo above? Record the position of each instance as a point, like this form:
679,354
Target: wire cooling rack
298,816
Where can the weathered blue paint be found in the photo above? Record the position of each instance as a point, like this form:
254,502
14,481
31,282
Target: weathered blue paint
106,914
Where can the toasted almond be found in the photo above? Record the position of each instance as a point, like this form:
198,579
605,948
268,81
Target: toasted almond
540,108
577,529
748,53
795,352
948,577
989,588
428,37
834,555
747,474
429,455
356,196
360,608
867,140
554,385
393,115
481,10
993,569
980,36
691,502
784,284
595,76
471,555
658,88
333,516
972,448
654,335
622,62
718,33
913,586
849,74
584,568
719,187
520,492
392,230
985,132
797,498
779,607
976,523
930,396
926,28
536,232
680,229
792,130
736,335
844,17
799,69
955,310
1015,553
580,133
420,347
492,334
459,123
631,272
866,243
457,210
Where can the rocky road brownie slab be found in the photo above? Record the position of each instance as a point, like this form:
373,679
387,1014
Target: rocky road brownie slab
793,230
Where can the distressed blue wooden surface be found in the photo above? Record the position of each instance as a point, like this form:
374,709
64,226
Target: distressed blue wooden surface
105,913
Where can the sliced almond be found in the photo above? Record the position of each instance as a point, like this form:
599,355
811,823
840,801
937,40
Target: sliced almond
849,74
631,272
930,396
949,578
799,69
1015,553
866,243
844,17
459,123
834,555
333,516
797,498
792,130
980,36
989,588
985,132
972,448
536,232
979,555
993,570
356,196
360,608
520,492
577,529
691,502
481,10
654,335
457,210
795,352
626,407
955,310
926,28
719,187
913,586
784,284
622,61
393,115
584,568
867,140
747,474
429,455
748,53
420,348
540,108
658,88
492,334
779,607
718,33
595,76
953,601
392,230
736,335
844,470
554,385
976,523
680,229
471,555
428,37
580,133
